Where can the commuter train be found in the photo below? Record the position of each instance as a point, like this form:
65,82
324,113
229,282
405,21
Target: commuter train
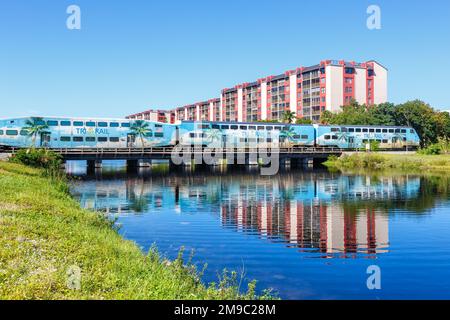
58,132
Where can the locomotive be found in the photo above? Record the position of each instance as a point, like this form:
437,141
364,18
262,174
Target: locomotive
59,132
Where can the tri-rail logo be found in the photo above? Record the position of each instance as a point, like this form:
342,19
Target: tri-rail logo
92,131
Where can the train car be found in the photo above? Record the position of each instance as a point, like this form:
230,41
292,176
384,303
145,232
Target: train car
245,134
58,132
353,137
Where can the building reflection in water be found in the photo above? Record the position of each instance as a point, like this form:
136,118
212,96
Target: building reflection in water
336,215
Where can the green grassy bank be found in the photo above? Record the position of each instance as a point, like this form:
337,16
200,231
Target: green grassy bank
44,233
381,161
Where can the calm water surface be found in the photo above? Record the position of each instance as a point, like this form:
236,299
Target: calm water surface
307,234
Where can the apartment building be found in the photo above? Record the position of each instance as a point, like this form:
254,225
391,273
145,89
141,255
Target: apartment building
305,91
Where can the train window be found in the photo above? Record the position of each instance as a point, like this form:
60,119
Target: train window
378,130
203,135
365,130
269,128
261,140
384,130
252,127
1,132
277,128
114,139
159,134
203,126
397,130
102,139
391,130
114,124
260,127
148,134
192,135
125,125
90,139
385,141
243,140
233,127
334,137
358,130
378,140
225,127
334,129
65,123
24,133
64,139
158,125
90,124
351,129
327,137
251,140
243,127
304,137
77,139
344,129
269,139
411,131
215,126
52,123
12,132
103,124
403,130
371,130
78,124
404,139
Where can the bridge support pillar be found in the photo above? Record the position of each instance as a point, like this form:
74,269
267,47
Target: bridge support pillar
94,164
132,163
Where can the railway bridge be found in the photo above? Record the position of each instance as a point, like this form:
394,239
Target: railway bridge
141,157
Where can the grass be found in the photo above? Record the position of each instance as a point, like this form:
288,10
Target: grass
383,161
44,233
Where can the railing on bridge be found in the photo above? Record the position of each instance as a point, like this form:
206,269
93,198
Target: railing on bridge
193,150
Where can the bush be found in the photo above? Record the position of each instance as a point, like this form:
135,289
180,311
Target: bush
38,158
433,149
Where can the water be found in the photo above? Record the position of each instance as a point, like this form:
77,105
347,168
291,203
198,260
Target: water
307,234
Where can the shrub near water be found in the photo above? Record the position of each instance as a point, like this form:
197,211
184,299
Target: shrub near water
380,161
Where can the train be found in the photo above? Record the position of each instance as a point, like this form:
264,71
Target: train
59,132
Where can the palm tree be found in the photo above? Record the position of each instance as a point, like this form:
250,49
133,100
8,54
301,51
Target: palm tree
288,116
213,135
34,127
140,128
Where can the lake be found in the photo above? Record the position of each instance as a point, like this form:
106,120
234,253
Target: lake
308,234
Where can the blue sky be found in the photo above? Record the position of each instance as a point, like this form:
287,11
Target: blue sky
133,55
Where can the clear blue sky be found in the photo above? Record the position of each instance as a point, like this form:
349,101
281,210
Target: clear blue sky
133,55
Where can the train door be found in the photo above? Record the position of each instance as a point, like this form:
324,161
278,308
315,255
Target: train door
131,139
351,142
177,135
45,139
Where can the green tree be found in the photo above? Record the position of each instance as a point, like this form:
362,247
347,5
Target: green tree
34,127
303,121
140,128
288,117
421,117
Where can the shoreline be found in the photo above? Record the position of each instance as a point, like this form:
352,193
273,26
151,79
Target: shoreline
54,249
400,162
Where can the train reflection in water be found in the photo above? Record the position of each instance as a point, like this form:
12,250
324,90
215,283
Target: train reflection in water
320,212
